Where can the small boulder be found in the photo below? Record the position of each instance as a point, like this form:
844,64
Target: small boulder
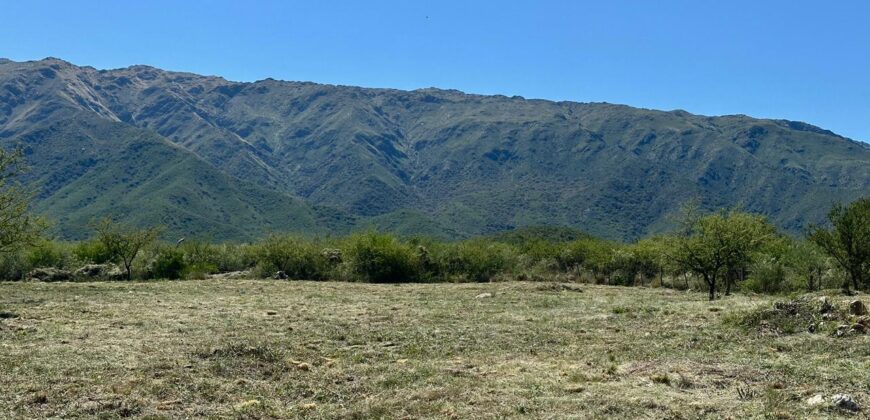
815,400
825,305
858,329
49,274
857,308
483,296
842,330
845,402
280,275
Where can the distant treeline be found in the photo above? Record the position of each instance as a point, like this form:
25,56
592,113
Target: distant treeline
718,252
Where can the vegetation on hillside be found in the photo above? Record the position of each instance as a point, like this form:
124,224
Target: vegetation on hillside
717,252
216,159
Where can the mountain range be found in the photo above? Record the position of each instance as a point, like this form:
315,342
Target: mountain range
226,160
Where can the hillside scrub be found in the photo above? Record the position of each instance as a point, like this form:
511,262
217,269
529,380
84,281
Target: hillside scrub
383,258
719,252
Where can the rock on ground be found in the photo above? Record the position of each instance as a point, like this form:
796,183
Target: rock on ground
845,402
49,274
816,400
857,308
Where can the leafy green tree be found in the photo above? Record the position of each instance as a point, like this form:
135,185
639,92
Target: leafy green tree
18,227
772,267
716,245
809,262
594,255
123,243
848,240
650,258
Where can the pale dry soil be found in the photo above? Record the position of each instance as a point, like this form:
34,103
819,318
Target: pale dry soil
278,349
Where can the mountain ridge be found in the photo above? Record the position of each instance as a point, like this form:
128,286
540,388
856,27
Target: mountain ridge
678,111
474,163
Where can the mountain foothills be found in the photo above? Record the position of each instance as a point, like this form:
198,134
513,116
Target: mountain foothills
232,161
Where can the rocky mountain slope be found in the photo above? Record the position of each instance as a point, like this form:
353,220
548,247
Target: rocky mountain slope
207,156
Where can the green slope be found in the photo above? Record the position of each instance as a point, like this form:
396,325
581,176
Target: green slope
90,168
430,161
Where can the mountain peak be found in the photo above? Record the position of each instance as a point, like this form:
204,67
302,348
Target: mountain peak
55,60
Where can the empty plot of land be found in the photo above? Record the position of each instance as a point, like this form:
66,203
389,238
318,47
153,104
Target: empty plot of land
275,349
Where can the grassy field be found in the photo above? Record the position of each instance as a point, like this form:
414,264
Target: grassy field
276,349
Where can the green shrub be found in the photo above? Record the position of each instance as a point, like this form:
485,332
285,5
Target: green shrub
380,258
169,263
233,257
539,250
204,258
13,266
591,254
48,254
298,258
475,260
92,251
199,271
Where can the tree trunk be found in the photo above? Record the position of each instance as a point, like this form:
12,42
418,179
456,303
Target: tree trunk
711,283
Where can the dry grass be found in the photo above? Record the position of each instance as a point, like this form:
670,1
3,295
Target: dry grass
270,349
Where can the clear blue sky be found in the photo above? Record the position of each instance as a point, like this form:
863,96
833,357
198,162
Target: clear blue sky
801,60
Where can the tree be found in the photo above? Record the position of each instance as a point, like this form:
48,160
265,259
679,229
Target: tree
809,262
18,227
123,243
719,245
848,240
